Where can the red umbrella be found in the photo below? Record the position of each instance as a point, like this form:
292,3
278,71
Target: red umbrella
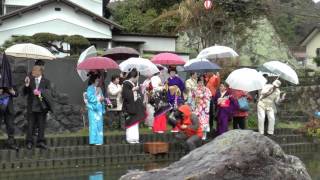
167,59
96,63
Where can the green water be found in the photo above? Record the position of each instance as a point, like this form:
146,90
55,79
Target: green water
312,162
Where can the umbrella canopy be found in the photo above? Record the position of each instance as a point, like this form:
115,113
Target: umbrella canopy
283,70
201,65
144,66
29,51
6,74
98,63
168,59
89,52
216,52
246,79
121,53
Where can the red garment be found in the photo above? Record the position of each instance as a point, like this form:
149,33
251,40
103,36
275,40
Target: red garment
237,94
213,84
186,110
160,123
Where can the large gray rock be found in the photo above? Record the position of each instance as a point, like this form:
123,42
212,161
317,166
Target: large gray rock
236,155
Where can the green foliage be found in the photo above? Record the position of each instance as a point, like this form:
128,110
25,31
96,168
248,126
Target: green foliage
136,15
293,19
50,40
77,40
16,40
42,38
311,128
317,60
252,121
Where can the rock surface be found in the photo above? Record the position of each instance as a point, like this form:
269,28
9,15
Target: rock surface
237,154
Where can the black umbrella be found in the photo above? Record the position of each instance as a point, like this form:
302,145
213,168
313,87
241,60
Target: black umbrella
6,74
121,53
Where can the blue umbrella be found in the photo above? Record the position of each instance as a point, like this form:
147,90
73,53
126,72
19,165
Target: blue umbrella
201,65
6,75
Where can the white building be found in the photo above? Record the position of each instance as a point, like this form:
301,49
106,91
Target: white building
75,17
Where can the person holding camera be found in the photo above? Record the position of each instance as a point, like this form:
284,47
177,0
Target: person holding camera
114,94
187,122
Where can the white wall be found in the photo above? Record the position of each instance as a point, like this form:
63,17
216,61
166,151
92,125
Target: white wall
151,43
94,6
66,21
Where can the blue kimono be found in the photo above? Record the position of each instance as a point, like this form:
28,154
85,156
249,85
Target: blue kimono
96,109
172,99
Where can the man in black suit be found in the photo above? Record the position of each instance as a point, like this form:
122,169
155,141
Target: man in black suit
7,113
37,89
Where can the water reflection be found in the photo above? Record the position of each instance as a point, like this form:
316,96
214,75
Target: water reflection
114,172
96,176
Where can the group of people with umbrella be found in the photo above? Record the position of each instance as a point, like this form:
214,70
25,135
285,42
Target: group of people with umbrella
163,98
159,99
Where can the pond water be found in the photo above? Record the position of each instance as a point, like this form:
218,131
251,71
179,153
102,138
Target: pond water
312,162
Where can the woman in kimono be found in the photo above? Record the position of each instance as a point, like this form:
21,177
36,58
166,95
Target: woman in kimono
175,89
147,91
132,107
96,109
225,105
200,103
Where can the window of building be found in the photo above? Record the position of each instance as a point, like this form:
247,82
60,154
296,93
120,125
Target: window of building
318,52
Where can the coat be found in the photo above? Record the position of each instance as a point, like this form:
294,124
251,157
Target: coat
268,100
45,88
213,84
191,121
237,94
133,108
114,92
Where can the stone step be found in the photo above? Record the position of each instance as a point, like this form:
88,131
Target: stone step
112,139
87,161
288,139
295,148
78,152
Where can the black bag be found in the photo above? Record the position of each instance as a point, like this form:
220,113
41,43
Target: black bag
114,103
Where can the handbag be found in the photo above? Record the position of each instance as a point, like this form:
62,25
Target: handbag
243,104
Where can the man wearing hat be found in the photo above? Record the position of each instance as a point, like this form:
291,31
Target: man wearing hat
270,96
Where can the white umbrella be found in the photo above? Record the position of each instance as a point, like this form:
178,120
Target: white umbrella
89,52
283,70
29,51
216,52
246,79
144,66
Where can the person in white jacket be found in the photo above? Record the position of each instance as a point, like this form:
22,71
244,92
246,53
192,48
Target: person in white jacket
270,96
114,93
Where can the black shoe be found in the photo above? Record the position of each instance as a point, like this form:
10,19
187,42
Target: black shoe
42,146
29,146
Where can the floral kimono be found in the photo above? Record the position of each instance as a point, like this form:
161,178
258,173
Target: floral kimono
200,103
96,109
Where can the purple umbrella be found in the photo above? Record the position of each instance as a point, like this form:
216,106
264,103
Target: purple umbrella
6,74
121,53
